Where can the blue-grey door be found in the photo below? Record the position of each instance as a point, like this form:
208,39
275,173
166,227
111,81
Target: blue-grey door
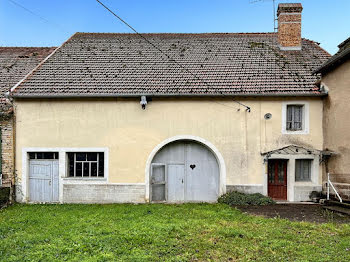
43,181
192,173
176,183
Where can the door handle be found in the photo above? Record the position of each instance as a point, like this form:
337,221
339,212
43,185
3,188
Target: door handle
50,183
182,181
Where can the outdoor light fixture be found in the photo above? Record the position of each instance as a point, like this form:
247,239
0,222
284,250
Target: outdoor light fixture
143,102
268,116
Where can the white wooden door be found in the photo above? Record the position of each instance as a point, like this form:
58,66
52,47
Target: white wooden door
43,181
176,183
202,174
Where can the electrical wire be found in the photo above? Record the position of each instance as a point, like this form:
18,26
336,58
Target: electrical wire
39,16
171,59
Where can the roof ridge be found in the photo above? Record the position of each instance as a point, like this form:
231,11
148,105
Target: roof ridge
159,33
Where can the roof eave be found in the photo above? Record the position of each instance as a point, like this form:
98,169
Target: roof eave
332,62
14,95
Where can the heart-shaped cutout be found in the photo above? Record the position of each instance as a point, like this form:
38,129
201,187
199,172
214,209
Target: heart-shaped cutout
192,166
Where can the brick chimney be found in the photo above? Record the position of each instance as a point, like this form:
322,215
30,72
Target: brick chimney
289,26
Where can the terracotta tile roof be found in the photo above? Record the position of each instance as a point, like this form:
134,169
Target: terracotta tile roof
17,62
109,64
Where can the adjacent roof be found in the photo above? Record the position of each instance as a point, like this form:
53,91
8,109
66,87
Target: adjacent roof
339,58
110,64
17,62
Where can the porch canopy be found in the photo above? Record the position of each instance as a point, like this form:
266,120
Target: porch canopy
298,150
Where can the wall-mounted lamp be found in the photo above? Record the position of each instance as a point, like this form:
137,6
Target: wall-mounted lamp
268,116
143,102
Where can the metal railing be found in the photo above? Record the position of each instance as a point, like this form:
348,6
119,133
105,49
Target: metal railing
329,185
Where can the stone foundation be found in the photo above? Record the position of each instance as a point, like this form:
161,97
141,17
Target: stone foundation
103,193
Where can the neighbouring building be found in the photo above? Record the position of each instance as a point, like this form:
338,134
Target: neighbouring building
336,82
108,118
15,64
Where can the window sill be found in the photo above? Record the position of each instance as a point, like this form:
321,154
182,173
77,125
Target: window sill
305,183
85,178
300,132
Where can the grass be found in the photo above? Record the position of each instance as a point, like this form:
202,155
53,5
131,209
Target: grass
204,232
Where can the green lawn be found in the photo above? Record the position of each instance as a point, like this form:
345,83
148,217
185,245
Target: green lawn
204,232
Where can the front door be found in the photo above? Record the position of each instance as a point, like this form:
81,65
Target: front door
43,181
277,179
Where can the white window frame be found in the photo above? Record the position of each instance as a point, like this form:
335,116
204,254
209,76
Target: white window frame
305,119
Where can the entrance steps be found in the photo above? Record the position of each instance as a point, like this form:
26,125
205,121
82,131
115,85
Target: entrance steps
336,206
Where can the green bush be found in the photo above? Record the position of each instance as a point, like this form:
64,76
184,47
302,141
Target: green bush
4,195
238,198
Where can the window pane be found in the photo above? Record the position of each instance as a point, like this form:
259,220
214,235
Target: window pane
94,169
158,174
40,155
56,155
271,171
280,172
70,164
289,113
31,155
303,170
86,169
48,155
85,164
92,156
101,165
78,169
81,157
294,117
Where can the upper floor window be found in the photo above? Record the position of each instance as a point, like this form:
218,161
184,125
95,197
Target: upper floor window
294,117
86,164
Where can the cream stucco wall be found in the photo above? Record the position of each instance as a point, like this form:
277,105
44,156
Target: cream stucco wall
130,133
336,121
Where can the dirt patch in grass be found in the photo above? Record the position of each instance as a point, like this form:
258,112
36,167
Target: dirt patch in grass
296,212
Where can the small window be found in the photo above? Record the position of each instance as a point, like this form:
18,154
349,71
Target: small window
295,117
43,155
303,169
89,165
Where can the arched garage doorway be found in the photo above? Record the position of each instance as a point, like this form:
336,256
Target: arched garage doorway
185,170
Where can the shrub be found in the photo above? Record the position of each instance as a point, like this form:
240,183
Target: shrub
238,198
4,195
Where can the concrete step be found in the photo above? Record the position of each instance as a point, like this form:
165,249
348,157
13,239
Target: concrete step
338,209
344,204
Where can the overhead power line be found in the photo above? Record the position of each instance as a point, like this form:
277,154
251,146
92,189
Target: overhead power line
37,15
170,58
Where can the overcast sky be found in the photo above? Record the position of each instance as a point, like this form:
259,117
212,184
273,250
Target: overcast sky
50,22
